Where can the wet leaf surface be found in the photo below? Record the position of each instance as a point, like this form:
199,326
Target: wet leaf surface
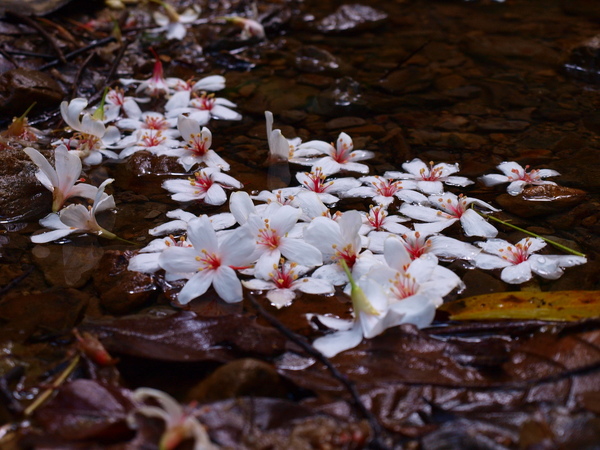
185,336
559,305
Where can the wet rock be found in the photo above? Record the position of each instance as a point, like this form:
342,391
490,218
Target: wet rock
35,7
22,195
315,60
19,88
352,18
502,125
50,311
411,79
344,97
541,200
582,171
344,123
500,47
121,291
69,265
239,378
587,8
584,60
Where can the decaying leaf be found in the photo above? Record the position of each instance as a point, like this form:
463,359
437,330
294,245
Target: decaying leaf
559,305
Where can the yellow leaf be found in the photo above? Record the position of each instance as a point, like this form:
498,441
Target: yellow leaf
559,305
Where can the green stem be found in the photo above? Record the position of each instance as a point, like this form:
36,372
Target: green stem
549,241
27,111
108,235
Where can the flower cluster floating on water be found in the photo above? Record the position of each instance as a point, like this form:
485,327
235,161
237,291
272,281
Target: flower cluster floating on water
288,240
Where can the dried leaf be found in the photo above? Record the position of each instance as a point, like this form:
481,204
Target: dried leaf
559,305
187,337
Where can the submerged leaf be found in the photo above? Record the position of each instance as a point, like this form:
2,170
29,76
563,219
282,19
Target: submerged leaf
559,305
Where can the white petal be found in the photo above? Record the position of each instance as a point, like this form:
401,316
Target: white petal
281,297
196,286
516,274
475,225
332,344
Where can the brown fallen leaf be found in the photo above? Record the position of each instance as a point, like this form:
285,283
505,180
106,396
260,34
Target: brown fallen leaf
559,305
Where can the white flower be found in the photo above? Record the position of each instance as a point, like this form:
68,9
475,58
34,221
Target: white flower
180,423
153,141
202,108
61,181
154,86
280,148
429,179
211,261
197,149
379,306
146,260
272,240
518,177
116,100
174,23
448,209
206,186
76,219
378,219
282,282
424,239
316,181
211,83
384,191
149,120
91,138
337,240
340,157
182,218
519,261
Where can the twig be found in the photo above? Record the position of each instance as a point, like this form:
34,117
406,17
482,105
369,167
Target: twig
32,23
376,441
48,392
15,281
74,53
79,73
124,44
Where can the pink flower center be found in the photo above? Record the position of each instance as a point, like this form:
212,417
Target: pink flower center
431,174
376,217
268,237
416,246
316,181
284,277
155,123
116,97
210,261
403,286
342,152
517,254
86,142
385,187
347,253
202,181
152,139
454,208
529,177
204,102
198,144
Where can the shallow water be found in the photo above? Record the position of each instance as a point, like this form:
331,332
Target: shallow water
475,83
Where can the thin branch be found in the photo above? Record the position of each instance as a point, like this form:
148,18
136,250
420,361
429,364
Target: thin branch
77,52
79,73
16,281
33,24
55,385
376,441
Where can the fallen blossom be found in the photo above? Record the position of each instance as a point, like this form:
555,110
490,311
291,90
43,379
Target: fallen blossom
518,177
429,178
207,185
